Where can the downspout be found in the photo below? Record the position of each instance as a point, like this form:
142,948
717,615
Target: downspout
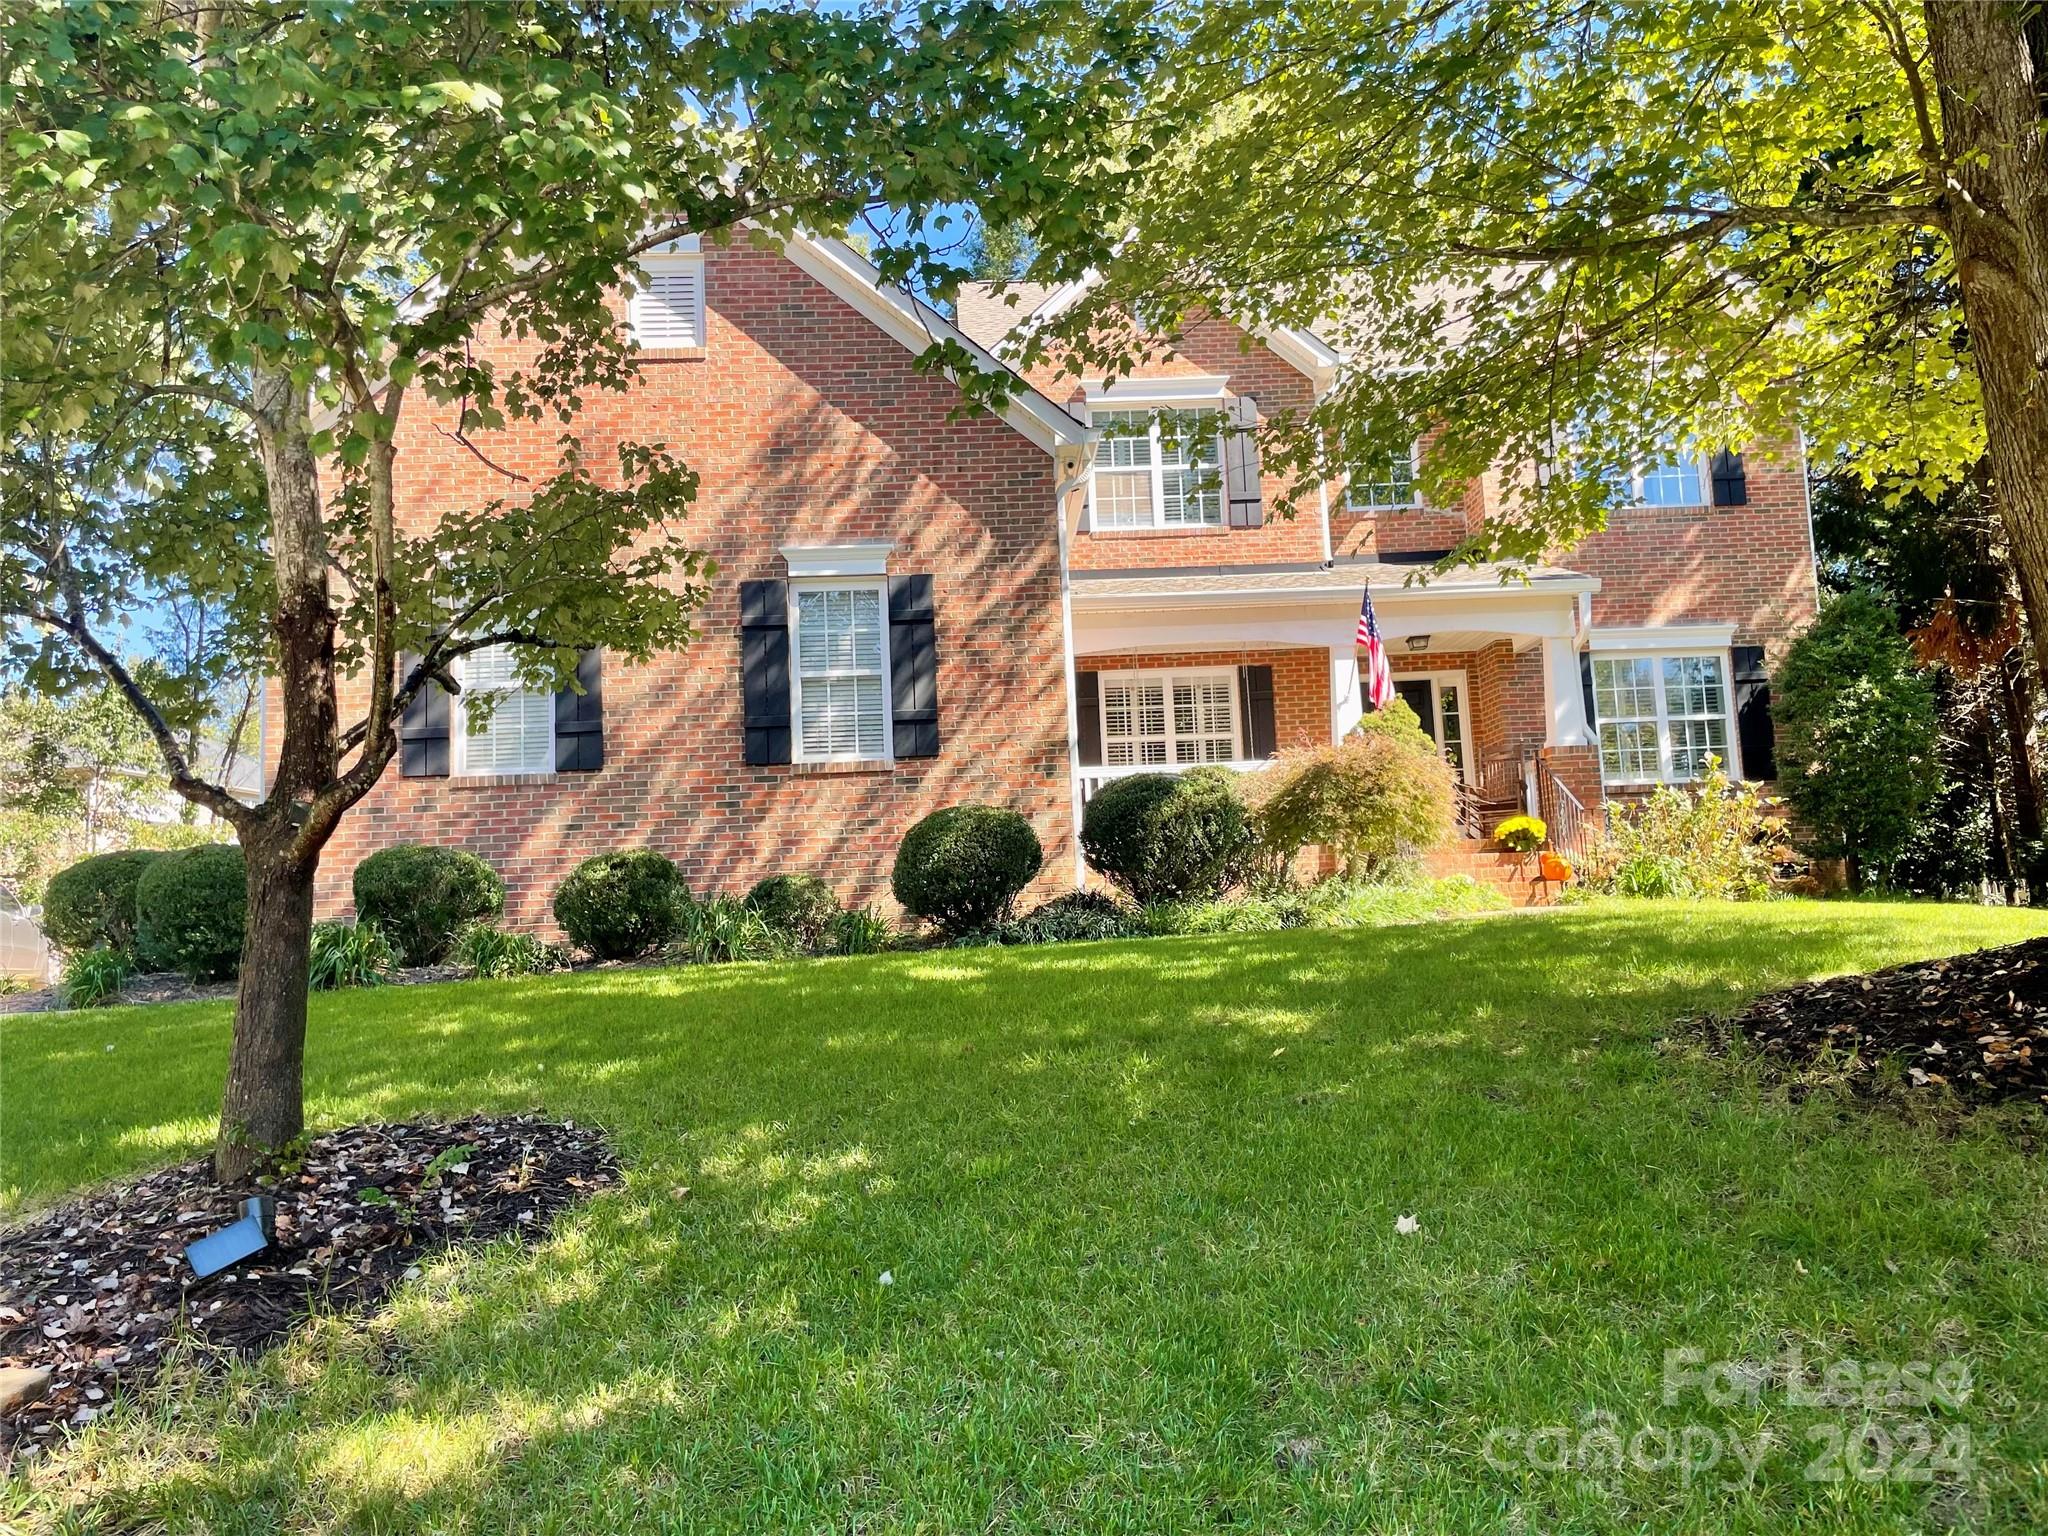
1329,549
1063,488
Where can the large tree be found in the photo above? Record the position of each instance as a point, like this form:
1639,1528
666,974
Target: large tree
243,237
1568,232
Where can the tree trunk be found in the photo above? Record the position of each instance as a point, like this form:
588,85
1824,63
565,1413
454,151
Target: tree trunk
2011,686
263,1109
1995,147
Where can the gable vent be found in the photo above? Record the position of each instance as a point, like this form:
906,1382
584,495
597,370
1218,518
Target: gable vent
668,310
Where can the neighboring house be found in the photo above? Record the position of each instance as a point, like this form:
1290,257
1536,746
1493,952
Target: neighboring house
915,608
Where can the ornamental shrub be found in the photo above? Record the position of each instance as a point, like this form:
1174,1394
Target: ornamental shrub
1857,735
91,905
1166,836
1382,793
421,896
490,951
349,955
722,929
1076,915
1719,841
93,978
190,908
963,866
616,906
798,907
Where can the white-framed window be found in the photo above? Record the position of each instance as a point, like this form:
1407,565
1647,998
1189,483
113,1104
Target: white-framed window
1676,479
1158,469
519,737
1386,484
1661,717
666,310
1169,718
839,683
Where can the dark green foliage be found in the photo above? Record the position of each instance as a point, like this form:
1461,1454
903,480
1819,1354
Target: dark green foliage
963,866
349,955
492,951
799,907
189,910
1077,915
1857,735
1165,836
93,977
620,905
722,929
92,904
859,931
421,896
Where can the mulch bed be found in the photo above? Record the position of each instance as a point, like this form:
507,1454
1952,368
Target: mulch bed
170,987
98,1291
1975,1025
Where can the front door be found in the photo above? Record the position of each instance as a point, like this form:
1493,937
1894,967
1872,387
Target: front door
1439,703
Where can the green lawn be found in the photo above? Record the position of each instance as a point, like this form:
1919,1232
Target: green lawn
1139,1202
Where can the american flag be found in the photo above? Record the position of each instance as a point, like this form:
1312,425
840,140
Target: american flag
1379,677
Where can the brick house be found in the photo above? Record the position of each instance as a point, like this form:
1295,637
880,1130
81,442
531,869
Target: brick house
914,608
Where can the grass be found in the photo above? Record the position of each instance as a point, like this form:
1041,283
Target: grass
1139,1206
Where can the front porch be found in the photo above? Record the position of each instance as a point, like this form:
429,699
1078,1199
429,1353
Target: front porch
1175,670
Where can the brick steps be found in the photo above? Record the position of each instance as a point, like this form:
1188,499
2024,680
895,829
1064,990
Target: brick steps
1512,874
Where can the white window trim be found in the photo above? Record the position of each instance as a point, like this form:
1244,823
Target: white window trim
458,729
1159,524
1168,676
1414,500
1632,482
1731,760
1436,681
1665,639
813,561
681,255
798,754
1129,394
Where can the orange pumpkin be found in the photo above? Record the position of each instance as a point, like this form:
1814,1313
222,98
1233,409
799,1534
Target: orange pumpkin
1557,867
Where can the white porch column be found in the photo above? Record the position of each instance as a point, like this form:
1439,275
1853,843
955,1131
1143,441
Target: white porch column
1564,701
1347,697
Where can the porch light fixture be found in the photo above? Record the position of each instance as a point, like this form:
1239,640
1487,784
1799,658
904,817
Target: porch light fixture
1418,642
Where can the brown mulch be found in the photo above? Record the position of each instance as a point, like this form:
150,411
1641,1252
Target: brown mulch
1975,1024
98,1291
170,987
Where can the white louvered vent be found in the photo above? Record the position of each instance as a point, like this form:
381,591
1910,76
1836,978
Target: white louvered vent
668,309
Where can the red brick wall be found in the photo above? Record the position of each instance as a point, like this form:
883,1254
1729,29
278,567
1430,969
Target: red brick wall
1301,683
1751,566
808,426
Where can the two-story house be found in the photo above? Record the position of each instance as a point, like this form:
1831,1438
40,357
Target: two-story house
914,608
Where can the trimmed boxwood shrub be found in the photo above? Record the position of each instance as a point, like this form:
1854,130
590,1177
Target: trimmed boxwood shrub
190,908
619,905
420,897
91,905
799,907
963,866
1166,836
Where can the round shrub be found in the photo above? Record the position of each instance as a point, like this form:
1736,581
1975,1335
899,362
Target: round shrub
190,908
420,897
963,866
1166,836
799,907
1380,794
619,905
91,905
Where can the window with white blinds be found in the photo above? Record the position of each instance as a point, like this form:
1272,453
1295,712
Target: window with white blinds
668,308
841,685
1158,469
520,735
1660,717
1168,718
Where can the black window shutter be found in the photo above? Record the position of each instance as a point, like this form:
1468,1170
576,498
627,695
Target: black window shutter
1731,481
1586,689
1244,500
422,728
764,670
1088,707
579,719
913,666
1255,693
1754,733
